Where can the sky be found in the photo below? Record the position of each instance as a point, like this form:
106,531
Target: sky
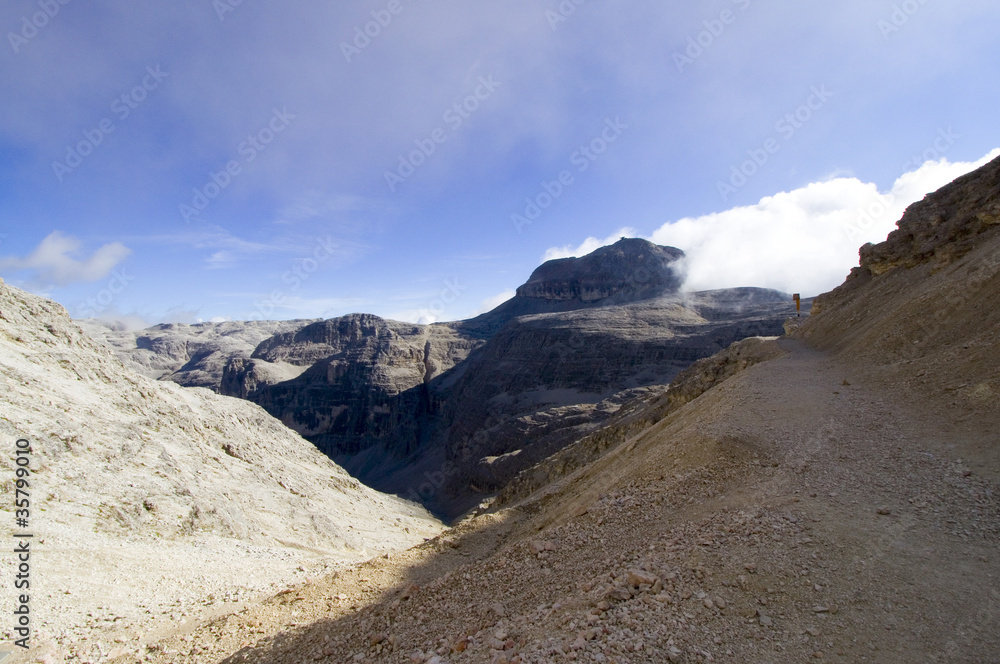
221,159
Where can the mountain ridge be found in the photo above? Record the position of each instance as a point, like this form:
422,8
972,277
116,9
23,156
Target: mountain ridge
491,395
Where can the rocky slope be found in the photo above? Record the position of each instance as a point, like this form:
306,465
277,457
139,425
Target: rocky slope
639,414
147,497
833,496
920,312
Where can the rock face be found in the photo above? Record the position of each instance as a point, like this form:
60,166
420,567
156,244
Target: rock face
943,227
630,269
366,381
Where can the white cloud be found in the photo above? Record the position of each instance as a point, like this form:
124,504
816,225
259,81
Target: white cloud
588,245
57,260
804,240
114,320
491,303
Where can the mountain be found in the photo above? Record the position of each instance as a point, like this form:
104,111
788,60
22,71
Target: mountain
830,495
137,485
449,413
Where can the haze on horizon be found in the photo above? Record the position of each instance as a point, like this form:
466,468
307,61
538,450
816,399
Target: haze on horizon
213,160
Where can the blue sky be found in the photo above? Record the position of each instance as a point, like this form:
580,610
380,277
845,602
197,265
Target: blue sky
196,160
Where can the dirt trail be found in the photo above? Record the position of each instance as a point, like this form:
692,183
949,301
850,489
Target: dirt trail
794,513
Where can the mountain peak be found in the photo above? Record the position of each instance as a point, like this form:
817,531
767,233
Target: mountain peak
630,267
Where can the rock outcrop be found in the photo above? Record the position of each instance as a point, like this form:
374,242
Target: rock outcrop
630,269
365,382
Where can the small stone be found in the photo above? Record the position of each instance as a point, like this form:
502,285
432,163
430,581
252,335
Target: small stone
637,578
500,610
538,547
884,511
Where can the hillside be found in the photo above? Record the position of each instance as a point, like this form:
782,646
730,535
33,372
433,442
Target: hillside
834,500
151,502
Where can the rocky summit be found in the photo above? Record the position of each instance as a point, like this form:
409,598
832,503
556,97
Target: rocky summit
450,413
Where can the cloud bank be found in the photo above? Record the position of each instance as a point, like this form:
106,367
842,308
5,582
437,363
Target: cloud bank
805,240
